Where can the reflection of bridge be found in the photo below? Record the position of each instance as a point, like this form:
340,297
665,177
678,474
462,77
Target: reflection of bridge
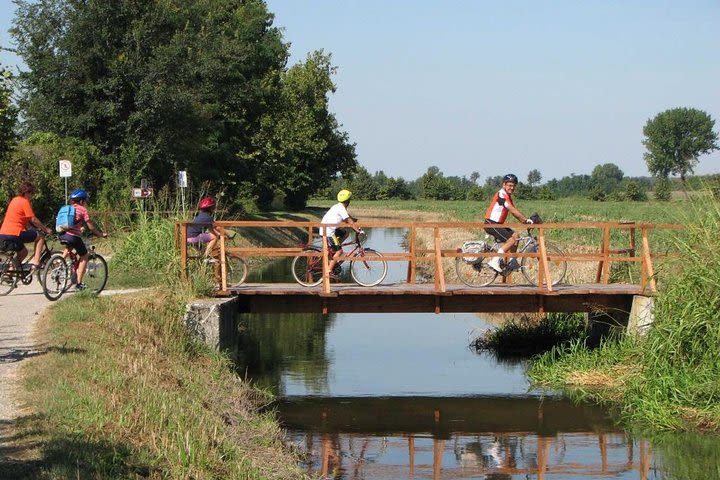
429,249
464,437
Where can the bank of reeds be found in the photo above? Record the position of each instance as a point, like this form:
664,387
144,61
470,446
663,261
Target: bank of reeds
668,380
123,391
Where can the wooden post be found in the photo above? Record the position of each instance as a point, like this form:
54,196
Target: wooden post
325,262
647,261
439,274
411,454
438,447
183,250
412,264
544,268
223,265
604,267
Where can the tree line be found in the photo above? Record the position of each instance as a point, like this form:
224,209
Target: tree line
138,90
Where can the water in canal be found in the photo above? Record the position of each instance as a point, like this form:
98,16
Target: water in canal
402,396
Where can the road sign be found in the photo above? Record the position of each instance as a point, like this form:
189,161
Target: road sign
65,168
142,192
182,179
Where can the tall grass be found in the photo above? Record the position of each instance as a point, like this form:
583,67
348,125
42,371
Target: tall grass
123,391
668,380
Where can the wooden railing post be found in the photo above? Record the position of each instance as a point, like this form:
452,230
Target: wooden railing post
325,261
223,265
182,238
603,272
412,263
439,273
544,268
647,262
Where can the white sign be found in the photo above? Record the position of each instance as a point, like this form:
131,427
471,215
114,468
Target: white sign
142,192
65,168
182,179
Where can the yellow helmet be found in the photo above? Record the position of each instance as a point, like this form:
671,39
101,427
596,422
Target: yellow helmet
344,195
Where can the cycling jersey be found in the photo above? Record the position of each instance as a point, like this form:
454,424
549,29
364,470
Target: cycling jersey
497,211
337,214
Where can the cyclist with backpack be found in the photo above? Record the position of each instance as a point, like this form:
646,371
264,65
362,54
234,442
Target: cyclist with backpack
14,233
72,232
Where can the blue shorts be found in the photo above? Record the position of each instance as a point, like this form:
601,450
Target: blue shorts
17,242
74,242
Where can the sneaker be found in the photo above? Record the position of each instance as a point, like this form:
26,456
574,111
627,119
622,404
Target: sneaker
80,286
494,263
210,260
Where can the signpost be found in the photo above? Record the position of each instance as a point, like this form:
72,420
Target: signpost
182,183
65,172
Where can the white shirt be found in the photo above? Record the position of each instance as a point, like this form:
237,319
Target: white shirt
337,214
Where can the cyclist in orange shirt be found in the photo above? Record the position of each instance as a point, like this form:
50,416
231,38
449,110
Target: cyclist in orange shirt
18,216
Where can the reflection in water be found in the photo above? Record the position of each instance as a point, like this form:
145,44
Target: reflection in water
460,437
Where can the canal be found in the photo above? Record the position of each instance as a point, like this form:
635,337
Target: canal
403,396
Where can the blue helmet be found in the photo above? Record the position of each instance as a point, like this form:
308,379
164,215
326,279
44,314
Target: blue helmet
79,194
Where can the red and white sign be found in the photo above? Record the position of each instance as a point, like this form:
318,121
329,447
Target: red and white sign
65,168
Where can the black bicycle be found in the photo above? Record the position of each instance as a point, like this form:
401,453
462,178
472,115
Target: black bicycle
13,273
60,273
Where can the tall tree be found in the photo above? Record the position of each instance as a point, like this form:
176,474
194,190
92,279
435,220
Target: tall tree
8,114
302,147
177,83
606,178
534,177
675,139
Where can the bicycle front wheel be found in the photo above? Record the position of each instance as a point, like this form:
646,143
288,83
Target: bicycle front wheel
8,281
96,274
236,269
55,277
369,271
307,269
476,274
557,268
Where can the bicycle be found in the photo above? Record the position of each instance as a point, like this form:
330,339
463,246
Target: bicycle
236,267
475,271
307,269
60,272
10,275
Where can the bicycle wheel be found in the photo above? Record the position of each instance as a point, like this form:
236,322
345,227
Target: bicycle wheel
56,277
477,274
236,269
530,266
371,270
307,270
96,274
8,281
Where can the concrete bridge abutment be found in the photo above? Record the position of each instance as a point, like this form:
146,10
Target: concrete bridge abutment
636,321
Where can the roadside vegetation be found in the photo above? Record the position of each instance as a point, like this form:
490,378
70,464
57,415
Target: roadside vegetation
667,380
122,391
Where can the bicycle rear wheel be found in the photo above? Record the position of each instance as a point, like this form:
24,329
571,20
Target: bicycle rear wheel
236,269
8,281
557,268
476,274
96,274
369,271
56,277
307,270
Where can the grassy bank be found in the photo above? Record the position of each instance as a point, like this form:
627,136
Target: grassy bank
122,391
668,380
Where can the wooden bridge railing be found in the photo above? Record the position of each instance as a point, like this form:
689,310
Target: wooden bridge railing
416,253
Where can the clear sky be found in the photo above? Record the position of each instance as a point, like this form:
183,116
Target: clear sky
505,86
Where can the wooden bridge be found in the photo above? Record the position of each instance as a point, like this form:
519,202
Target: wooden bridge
431,285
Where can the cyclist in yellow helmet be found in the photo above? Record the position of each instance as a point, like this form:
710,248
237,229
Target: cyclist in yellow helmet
334,236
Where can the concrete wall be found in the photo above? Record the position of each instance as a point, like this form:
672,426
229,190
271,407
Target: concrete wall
637,321
214,321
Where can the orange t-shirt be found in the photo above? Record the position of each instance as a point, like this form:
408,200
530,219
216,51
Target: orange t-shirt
18,214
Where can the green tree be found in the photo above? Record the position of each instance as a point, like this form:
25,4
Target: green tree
663,189
534,177
300,146
179,84
675,139
363,185
635,192
8,114
606,178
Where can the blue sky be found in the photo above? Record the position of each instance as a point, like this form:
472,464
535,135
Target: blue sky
505,86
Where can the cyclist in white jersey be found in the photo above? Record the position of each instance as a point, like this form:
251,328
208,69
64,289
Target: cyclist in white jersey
496,214
332,235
